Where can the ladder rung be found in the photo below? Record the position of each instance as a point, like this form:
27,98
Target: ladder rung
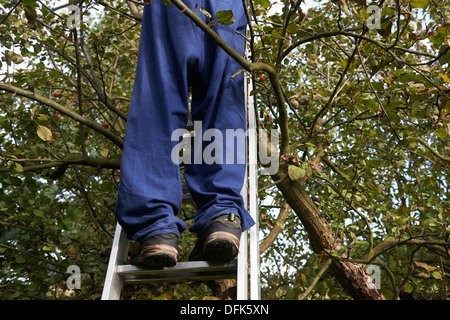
186,194
190,135
183,271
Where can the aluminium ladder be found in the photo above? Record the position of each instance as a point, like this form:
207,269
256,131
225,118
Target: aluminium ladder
245,268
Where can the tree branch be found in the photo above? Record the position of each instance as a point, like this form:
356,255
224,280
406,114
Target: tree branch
436,247
56,106
249,66
375,42
134,10
422,142
65,162
335,92
267,242
316,278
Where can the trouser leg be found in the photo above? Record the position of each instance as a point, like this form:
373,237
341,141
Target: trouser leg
150,192
218,101
173,52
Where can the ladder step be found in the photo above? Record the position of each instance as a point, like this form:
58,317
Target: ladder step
186,196
182,271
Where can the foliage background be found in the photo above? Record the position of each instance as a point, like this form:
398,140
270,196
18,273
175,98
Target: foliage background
368,129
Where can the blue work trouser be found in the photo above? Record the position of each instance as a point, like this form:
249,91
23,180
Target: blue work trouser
175,56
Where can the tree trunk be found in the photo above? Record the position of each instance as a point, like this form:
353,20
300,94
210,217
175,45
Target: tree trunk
352,277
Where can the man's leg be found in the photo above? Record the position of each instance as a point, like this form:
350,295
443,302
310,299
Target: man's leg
150,189
219,103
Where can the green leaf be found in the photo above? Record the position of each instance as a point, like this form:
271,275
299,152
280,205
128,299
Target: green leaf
292,28
225,17
394,117
442,133
373,163
31,16
436,274
405,77
439,36
409,288
30,3
263,3
18,167
372,105
54,74
41,117
16,294
419,3
295,172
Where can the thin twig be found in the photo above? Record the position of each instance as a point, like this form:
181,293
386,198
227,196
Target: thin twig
316,279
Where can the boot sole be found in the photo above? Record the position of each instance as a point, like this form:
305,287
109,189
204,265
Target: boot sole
157,256
220,246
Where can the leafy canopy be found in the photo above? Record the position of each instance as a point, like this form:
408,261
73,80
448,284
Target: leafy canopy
368,124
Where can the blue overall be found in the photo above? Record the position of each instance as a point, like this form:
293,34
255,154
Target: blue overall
175,56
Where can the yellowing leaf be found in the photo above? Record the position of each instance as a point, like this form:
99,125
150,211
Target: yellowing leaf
34,111
206,13
444,77
302,277
295,172
419,3
41,117
425,266
316,165
14,57
44,133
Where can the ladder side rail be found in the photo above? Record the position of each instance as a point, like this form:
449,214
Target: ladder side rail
255,291
242,258
119,253
242,268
